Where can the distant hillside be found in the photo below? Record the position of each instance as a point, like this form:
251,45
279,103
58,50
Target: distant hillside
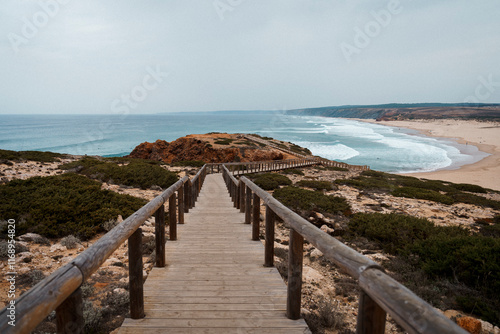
395,111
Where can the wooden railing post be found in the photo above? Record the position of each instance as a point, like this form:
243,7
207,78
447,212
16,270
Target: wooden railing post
180,204
172,218
242,196
69,315
237,196
135,275
269,245
186,197
294,287
248,206
256,217
371,317
160,236
193,193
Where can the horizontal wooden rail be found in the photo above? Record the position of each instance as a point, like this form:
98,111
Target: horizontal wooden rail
380,293
61,286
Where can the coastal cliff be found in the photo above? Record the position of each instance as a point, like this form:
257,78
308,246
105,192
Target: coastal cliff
215,148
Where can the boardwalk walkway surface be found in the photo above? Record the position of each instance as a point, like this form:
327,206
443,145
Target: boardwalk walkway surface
214,281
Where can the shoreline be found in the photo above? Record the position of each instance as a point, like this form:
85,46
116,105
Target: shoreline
484,135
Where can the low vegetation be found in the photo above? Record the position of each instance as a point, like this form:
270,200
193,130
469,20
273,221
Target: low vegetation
6,155
293,171
411,187
223,141
316,185
303,201
58,206
270,181
130,172
470,264
300,150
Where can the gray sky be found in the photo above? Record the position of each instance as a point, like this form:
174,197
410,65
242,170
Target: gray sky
195,55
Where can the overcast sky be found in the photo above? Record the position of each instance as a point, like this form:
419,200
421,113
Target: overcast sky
71,56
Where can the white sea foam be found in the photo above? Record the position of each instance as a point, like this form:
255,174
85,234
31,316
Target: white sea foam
333,152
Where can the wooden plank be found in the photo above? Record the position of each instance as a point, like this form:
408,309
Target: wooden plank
214,278
218,330
281,322
214,307
211,293
210,314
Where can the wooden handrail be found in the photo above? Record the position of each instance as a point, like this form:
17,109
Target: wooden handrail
380,293
64,284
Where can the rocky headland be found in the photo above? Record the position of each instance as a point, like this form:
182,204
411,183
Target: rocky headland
214,147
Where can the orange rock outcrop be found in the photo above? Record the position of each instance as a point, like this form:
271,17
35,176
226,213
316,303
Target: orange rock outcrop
188,148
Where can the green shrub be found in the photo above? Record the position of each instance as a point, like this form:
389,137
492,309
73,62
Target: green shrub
317,185
57,206
473,260
393,232
367,183
411,187
223,141
419,193
302,199
475,200
442,254
470,188
293,171
30,155
492,230
137,173
189,163
271,181
480,306
300,150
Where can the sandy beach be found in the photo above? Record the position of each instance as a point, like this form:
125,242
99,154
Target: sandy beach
484,135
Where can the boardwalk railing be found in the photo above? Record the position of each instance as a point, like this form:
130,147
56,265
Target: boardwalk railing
61,291
379,292
238,168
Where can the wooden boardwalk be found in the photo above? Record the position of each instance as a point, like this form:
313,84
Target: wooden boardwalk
214,281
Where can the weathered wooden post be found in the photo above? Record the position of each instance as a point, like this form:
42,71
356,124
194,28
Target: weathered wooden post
256,217
186,197
180,204
160,236
371,317
242,196
135,275
269,245
69,315
172,218
236,189
294,287
248,206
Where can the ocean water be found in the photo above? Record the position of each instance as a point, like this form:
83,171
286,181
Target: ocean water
380,147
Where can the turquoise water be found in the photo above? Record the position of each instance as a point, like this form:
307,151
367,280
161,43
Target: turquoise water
381,147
